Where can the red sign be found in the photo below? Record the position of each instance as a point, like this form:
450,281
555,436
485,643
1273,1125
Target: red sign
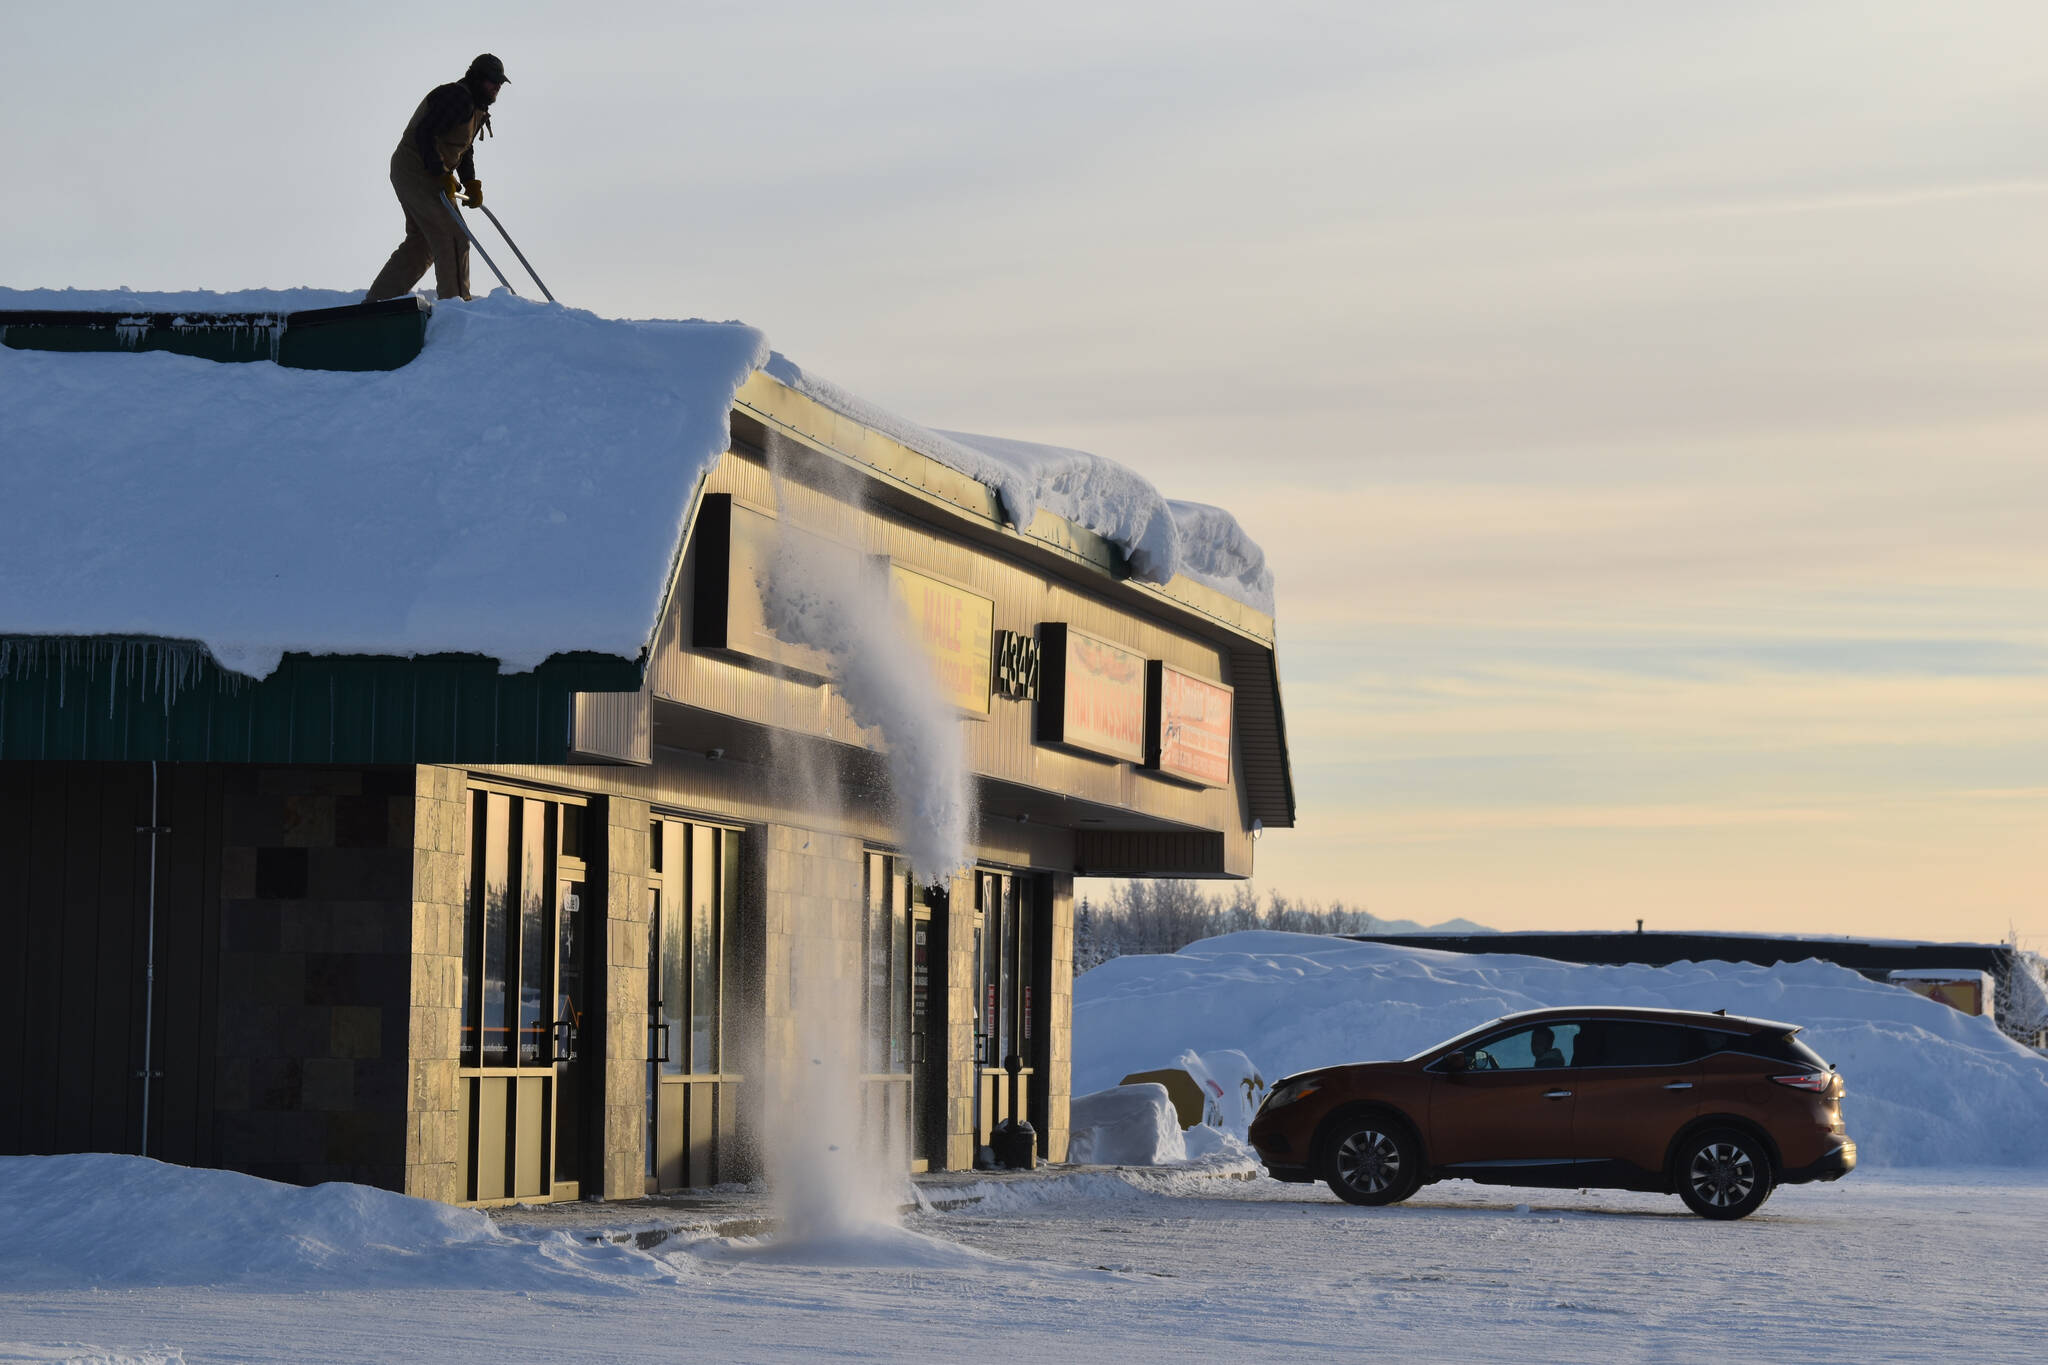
1190,726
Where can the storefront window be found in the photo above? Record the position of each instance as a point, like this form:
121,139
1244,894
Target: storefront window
496,912
885,944
697,868
510,930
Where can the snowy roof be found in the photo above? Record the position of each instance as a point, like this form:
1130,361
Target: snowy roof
519,490
1159,537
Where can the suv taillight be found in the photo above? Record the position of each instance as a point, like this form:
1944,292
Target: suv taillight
1819,1082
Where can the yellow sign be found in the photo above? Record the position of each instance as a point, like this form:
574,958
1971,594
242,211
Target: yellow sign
956,629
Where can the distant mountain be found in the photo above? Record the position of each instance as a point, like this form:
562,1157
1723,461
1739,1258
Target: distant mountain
1449,926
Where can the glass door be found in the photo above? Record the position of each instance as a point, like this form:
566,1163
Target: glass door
1007,1029
522,976
888,1010
692,1095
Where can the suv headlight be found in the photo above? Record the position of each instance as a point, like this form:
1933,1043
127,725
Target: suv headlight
1289,1091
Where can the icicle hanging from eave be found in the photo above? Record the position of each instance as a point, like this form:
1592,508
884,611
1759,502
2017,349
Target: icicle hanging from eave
168,666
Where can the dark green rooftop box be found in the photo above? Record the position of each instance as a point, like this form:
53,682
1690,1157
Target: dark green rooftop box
361,336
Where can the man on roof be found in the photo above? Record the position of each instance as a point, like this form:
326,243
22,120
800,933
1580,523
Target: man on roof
435,157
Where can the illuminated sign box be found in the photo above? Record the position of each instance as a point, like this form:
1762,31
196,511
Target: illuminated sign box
736,546
1091,694
1187,726
956,629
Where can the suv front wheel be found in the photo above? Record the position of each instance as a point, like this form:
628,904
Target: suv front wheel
1723,1173
1371,1160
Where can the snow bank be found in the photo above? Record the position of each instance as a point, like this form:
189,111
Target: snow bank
1927,1086
129,1222
864,1247
517,491
1125,1125
1159,538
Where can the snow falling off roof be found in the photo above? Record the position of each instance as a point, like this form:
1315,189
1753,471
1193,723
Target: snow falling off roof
517,491
1160,538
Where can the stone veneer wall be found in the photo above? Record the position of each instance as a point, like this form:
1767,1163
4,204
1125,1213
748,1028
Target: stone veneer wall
811,911
960,1010
316,937
623,863
434,1137
1059,1085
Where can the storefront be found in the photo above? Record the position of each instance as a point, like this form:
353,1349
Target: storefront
488,936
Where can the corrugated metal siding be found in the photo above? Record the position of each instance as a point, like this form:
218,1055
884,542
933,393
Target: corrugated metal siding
1141,853
123,700
1261,737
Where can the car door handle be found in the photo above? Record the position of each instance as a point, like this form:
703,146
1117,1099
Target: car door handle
1679,1085
1557,1094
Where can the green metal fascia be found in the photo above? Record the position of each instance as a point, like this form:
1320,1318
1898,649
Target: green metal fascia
122,700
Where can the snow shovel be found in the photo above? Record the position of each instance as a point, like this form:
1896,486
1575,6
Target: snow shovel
508,242
516,252
464,225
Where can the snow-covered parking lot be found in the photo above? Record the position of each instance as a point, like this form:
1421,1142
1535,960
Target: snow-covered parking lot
1886,1267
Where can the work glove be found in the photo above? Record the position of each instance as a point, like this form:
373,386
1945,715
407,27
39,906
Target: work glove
450,185
475,190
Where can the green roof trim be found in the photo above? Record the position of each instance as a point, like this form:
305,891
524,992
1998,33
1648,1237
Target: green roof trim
133,699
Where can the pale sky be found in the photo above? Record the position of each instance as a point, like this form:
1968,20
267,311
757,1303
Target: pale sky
1641,403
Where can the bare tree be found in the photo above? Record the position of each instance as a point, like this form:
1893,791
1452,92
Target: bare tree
1165,916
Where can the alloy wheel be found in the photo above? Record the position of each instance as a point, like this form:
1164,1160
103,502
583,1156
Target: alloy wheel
1369,1161
1722,1174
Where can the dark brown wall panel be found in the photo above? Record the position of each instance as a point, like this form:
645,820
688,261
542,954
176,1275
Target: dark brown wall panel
74,925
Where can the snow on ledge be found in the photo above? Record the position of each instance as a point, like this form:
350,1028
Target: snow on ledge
517,491
1160,538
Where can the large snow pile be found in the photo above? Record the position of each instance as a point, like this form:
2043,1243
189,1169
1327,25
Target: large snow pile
1927,1086
129,1222
1126,1125
519,490
1160,538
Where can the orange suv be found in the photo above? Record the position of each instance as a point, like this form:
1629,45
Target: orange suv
1718,1109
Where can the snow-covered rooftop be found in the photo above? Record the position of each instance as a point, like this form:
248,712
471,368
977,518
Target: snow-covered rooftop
1159,537
519,490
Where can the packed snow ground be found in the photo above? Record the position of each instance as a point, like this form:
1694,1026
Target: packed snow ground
1927,1086
1089,1267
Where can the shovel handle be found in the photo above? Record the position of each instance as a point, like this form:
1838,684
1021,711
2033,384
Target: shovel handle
463,223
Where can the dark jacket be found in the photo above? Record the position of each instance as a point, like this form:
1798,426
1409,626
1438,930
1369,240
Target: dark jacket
444,129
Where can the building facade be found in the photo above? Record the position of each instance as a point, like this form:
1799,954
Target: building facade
484,936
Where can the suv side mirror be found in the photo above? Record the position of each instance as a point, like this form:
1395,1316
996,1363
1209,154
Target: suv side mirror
1457,1062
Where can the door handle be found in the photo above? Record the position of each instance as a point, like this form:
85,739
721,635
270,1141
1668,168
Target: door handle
657,1035
1557,1094
1679,1085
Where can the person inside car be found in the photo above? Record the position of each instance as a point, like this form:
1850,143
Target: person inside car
1543,1043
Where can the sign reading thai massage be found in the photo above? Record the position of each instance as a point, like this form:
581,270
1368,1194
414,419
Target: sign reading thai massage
1187,726
1091,693
956,628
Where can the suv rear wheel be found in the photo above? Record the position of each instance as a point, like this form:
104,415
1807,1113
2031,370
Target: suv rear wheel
1723,1173
1371,1160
